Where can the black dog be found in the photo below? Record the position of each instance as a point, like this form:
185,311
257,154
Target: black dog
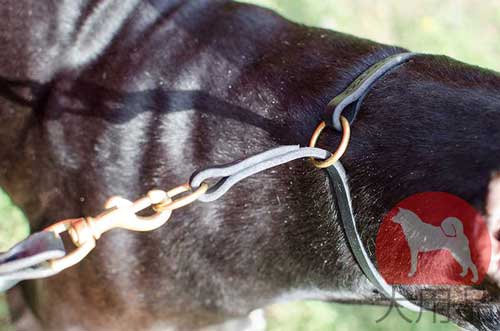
99,98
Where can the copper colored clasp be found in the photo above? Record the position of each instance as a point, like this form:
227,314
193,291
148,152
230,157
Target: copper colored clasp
119,213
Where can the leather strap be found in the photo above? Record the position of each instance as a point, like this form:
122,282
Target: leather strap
358,89
28,259
340,189
232,173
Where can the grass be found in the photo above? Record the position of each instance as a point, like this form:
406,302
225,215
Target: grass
468,30
320,316
13,225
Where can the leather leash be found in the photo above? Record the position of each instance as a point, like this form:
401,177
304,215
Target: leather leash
42,254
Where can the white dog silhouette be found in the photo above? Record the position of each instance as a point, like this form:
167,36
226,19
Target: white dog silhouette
424,237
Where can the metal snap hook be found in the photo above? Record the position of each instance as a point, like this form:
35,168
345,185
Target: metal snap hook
121,213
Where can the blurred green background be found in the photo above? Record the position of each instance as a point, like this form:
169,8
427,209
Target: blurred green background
468,30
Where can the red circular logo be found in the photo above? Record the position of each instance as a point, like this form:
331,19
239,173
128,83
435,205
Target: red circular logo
433,238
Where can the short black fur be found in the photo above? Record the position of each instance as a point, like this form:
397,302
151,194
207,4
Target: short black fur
123,96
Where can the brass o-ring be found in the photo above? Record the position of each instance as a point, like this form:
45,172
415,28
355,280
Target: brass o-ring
346,135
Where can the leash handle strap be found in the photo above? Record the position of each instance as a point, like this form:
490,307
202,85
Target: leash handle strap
340,187
233,173
28,259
